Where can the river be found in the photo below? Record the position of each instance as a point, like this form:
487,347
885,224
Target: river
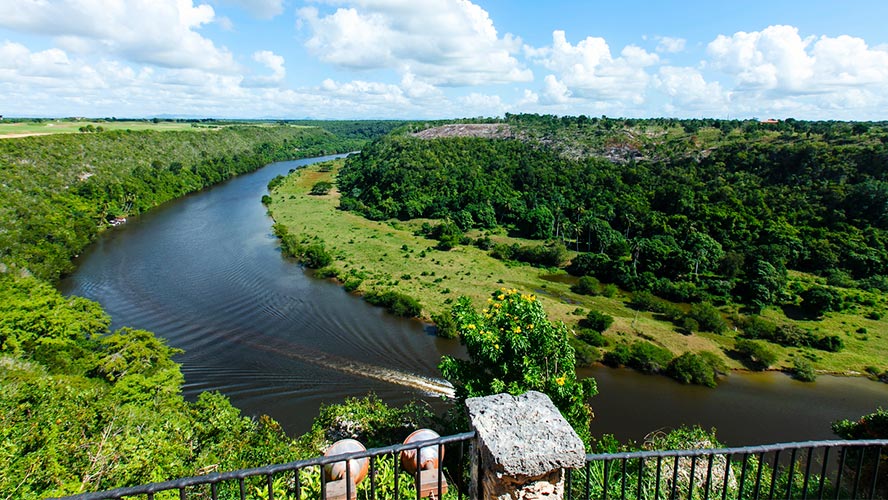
205,273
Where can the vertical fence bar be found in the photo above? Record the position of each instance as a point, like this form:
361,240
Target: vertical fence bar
417,473
839,473
182,494
792,461
776,467
323,483
397,493
372,478
859,471
242,487
657,481
876,472
297,486
823,473
691,481
349,485
568,483
727,476
623,480
807,473
270,480
604,486
672,490
640,477
743,474
214,491
708,476
758,475
588,479
440,470
459,471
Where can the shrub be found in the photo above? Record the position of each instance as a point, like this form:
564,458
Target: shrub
648,358
551,255
619,356
803,370
754,354
708,317
396,303
321,188
690,368
266,200
645,301
587,285
597,321
352,284
608,291
592,337
584,354
315,256
445,326
819,300
513,347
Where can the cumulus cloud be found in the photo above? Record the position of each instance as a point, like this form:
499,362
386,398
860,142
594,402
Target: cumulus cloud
777,69
688,89
670,45
589,70
158,32
273,62
442,42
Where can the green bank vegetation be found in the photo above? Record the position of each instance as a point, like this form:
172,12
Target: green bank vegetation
749,245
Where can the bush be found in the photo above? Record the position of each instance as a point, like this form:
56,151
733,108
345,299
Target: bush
586,286
592,337
708,317
551,255
315,256
690,368
819,300
584,354
445,326
396,303
597,321
803,370
321,188
608,291
645,301
619,356
648,358
755,355
351,284
266,200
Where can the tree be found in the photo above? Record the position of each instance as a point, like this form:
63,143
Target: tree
513,348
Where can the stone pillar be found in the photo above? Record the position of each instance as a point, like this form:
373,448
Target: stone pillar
523,444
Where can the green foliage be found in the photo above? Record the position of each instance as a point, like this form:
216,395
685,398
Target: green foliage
587,285
819,300
592,337
369,420
61,190
640,355
584,353
803,370
512,347
445,325
870,426
691,368
396,303
755,355
597,321
708,317
321,188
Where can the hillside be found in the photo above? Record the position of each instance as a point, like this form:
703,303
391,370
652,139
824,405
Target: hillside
761,238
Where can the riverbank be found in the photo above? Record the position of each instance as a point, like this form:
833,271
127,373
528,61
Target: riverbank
389,255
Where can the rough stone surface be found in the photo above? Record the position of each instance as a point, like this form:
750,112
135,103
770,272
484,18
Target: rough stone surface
523,436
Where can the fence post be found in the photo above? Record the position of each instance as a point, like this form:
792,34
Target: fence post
523,446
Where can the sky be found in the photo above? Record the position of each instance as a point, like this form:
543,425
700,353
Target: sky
432,59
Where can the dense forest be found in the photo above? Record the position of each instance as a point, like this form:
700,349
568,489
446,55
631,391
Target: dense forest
83,407
60,190
703,212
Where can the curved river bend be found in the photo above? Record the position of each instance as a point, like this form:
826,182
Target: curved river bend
206,273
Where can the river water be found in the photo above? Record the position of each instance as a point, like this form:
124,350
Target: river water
206,273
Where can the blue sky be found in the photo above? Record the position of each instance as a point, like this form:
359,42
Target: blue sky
444,58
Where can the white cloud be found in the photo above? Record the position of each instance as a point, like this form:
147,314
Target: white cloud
441,42
273,62
670,45
158,32
589,70
478,104
554,91
687,88
776,69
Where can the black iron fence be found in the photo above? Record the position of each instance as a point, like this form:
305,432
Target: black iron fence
808,470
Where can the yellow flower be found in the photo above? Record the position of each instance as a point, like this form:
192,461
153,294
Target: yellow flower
560,380
497,306
470,326
530,326
496,346
501,296
517,329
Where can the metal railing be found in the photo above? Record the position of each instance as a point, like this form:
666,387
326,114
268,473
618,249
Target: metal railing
306,479
806,470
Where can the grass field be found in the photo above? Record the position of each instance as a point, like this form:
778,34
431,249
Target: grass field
388,255
10,129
